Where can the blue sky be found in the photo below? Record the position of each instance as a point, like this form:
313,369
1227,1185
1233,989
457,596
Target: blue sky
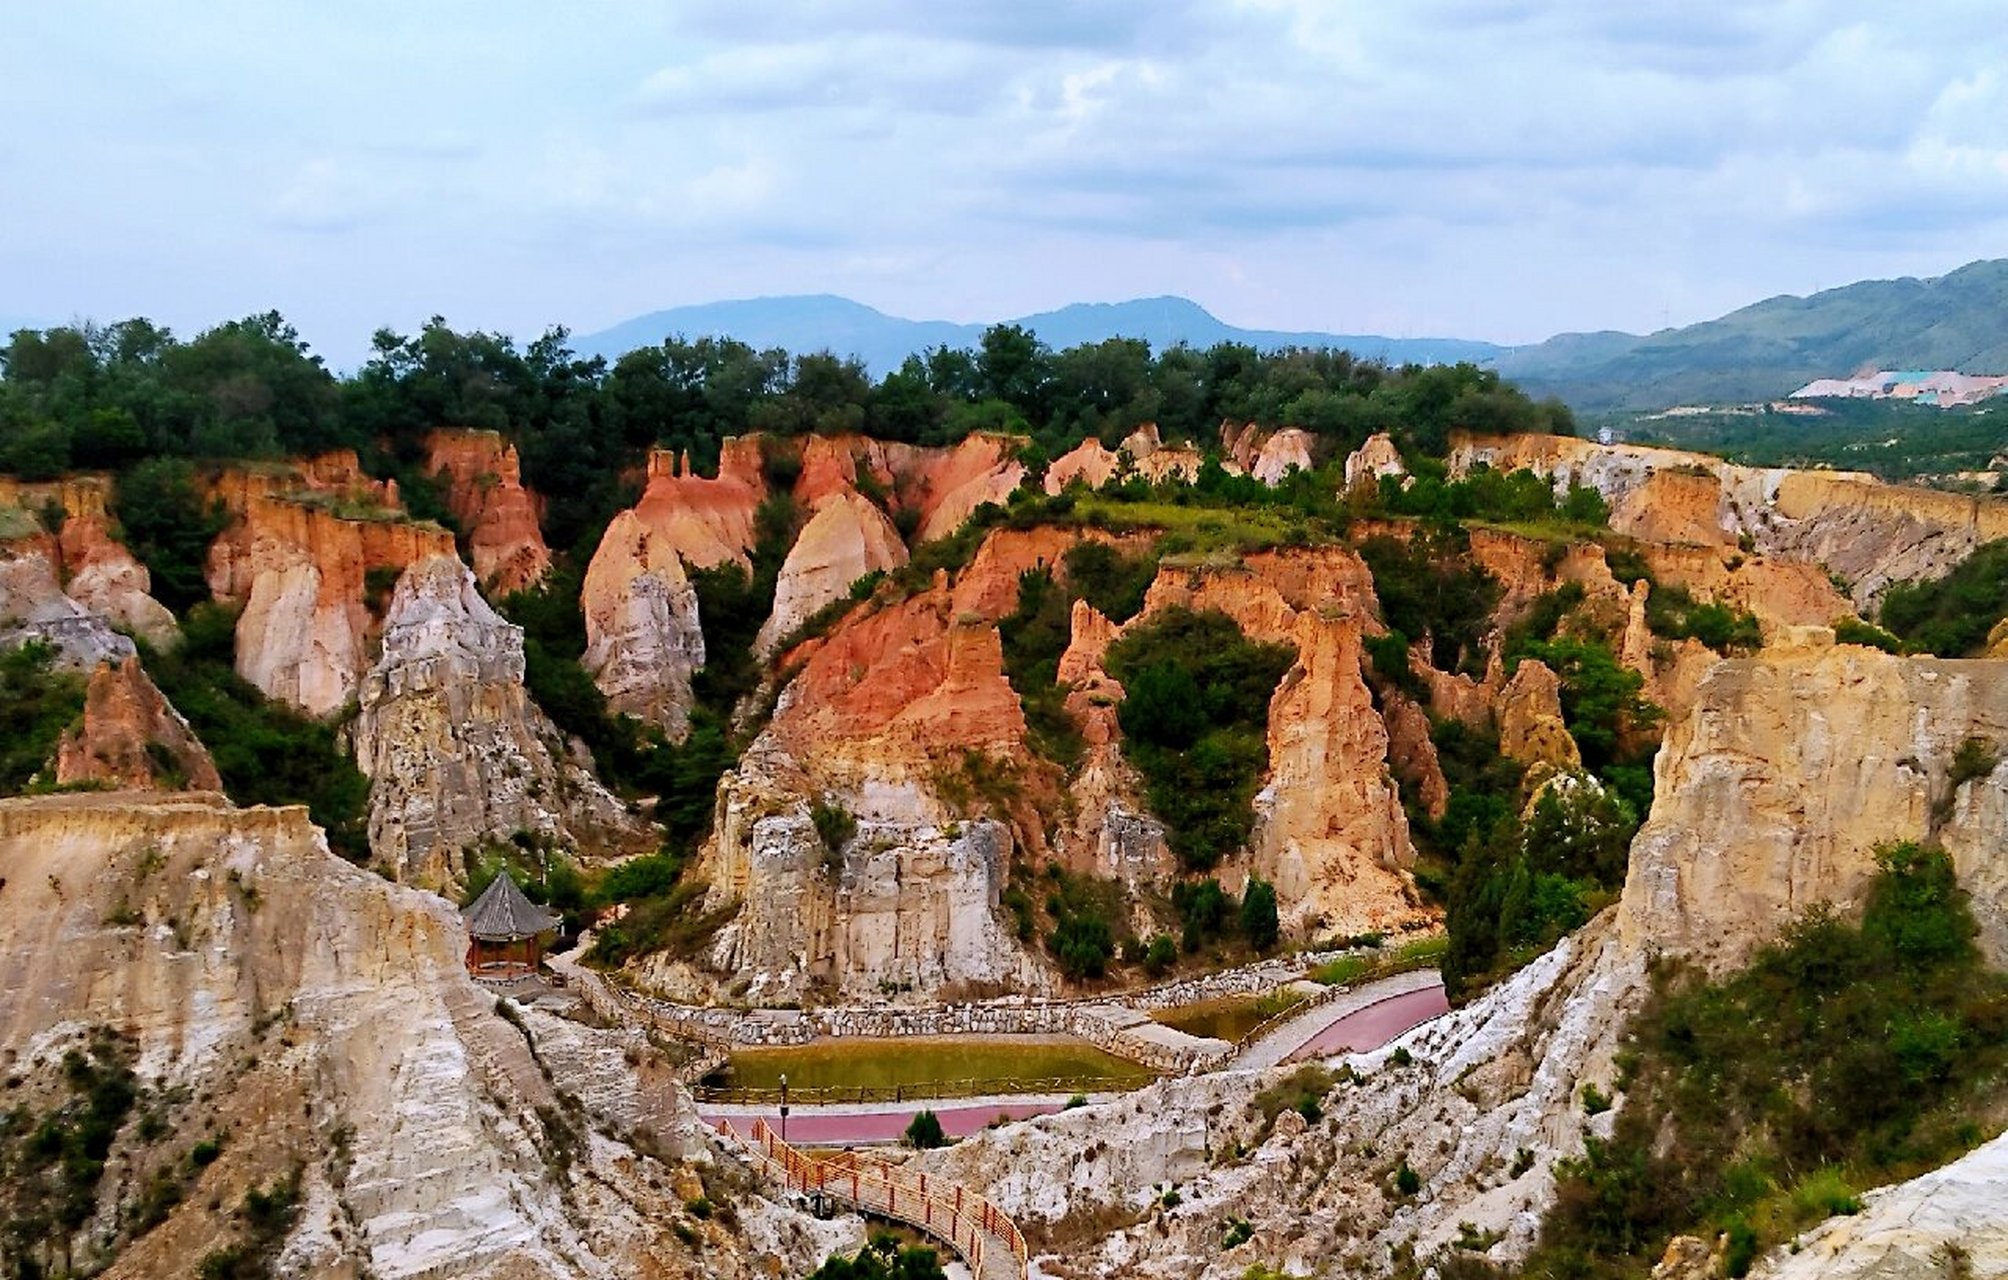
1473,168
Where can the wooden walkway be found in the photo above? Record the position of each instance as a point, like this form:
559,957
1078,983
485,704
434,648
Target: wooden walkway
988,1242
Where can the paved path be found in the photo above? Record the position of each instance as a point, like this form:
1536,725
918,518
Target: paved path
1345,1023
1364,1018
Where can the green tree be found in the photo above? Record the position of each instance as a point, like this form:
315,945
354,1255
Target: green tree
1258,914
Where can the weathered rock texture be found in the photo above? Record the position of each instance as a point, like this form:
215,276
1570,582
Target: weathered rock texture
297,556
1375,458
1870,533
1264,454
455,750
1330,833
846,539
1143,452
85,563
131,738
896,718
33,606
1530,719
1773,794
484,489
317,1018
644,641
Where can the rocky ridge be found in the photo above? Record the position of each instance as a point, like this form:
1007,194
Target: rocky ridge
321,1022
484,488
455,750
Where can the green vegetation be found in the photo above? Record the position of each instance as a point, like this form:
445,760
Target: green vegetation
1194,718
37,702
163,519
1855,631
924,1133
266,1217
1844,1055
266,752
1302,1091
1522,499
1430,586
1601,699
52,1161
1258,914
1089,919
1674,613
916,1064
1893,439
885,1258
1952,616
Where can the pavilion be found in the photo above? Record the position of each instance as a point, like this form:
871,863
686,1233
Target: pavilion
505,931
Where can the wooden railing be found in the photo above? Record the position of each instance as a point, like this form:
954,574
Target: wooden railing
985,1237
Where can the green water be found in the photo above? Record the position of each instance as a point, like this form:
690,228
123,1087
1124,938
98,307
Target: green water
1228,1018
911,1063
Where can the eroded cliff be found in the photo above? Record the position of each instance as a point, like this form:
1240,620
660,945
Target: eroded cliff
484,488
455,751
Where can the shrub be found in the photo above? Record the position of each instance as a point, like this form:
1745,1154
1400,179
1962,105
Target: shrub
924,1132
1855,631
37,703
1674,613
1952,616
1406,1180
1195,719
1595,1100
1430,586
835,826
1258,914
1161,956
885,1258
1834,1048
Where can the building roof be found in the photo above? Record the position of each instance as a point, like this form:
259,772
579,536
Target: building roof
503,914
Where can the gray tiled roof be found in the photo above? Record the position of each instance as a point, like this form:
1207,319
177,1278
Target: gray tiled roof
503,914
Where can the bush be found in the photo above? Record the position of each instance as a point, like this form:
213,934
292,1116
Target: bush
1195,722
163,519
1159,958
924,1132
37,703
1430,586
1859,1048
885,1258
1675,614
1952,616
1855,631
265,752
1258,914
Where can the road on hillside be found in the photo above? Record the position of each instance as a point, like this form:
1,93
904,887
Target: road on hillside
1350,1032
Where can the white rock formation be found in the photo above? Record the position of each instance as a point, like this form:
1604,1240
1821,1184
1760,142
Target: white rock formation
453,746
846,539
643,638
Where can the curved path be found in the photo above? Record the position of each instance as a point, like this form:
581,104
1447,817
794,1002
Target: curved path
1365,1018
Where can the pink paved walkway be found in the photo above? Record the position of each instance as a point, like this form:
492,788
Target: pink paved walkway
1375,1025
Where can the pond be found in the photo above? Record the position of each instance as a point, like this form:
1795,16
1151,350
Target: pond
854,1069
1229,1018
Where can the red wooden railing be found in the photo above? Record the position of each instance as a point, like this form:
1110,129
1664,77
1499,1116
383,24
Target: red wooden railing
976,1229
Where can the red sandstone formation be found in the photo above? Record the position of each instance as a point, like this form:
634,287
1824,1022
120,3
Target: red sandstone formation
484,489
131,739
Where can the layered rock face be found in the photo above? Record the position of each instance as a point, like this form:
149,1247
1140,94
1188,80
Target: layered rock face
1773,794
484,488
316,1018
1330,832
1870,533
455,750
130,738
883,720
71,588
1266,455
846,539
1375,458
97,571
643,638
1146,453
33,606
297,557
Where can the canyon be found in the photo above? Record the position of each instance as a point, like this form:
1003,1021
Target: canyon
892,796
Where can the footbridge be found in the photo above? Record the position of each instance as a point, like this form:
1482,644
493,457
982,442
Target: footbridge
980,1233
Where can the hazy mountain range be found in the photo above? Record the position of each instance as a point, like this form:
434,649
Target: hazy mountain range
813,322
1955,321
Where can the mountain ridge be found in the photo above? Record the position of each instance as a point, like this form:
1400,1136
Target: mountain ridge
814,322
1765,350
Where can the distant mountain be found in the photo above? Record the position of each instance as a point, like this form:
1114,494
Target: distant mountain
825,322
1764,351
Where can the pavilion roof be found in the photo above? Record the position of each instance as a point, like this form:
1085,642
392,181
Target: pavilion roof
503,914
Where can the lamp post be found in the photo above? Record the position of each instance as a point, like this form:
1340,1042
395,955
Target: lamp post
784,1106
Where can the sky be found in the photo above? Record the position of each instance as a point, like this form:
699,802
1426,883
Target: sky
1469,168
